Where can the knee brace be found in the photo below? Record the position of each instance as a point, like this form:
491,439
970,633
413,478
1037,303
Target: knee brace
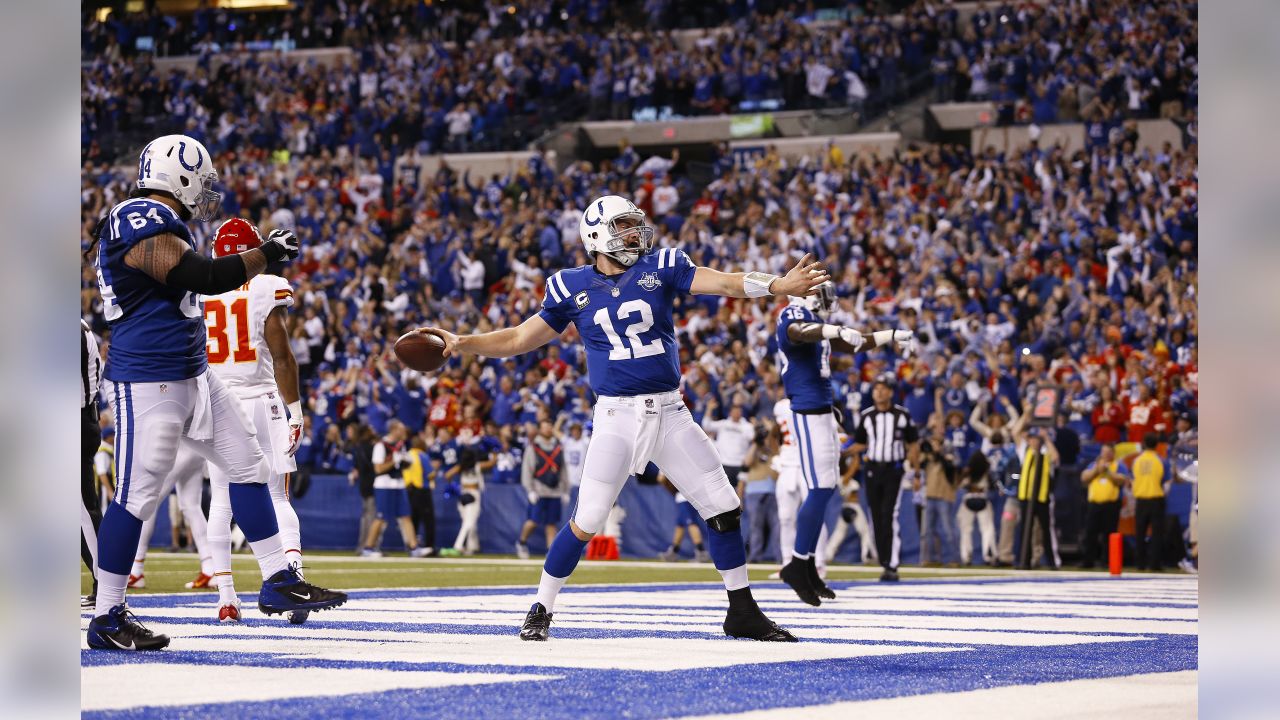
726,521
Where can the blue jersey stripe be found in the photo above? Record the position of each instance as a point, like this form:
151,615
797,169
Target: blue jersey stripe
808,447
128,467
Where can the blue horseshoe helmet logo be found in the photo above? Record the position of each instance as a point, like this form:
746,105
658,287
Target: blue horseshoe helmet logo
600,210
182,148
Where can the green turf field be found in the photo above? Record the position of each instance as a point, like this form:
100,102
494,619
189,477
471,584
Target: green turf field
167,572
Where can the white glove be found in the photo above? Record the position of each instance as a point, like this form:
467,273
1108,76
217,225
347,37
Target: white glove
533,498
288,243
296,423
852,337
906,341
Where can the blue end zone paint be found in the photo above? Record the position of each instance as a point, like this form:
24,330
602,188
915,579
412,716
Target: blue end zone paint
588,693
611,694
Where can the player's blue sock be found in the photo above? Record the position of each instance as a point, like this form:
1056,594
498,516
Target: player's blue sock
253,511
117,542
729,554
564,553
809,520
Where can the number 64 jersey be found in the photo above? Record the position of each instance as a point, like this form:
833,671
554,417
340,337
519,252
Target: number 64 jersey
236,324
625,321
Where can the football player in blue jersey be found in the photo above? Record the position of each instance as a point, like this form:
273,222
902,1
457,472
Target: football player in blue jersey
622,307
158,382
805,341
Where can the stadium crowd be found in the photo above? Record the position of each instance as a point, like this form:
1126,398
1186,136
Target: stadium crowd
1030,268
457,80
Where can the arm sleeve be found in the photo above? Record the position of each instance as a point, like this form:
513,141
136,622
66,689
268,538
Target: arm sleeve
909,433
860,434
526,469
207,276
556,304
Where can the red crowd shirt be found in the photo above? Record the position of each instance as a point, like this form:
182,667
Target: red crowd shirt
1144,417
1108,424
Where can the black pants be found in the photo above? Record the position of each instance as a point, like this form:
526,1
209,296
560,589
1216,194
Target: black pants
1149,515
422,513
1042,515
90,438
1100,520
883,486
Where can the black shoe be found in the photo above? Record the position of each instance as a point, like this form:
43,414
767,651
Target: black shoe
537,624
889,575
796,574
286,591
88,602
120,630
819,586
751,624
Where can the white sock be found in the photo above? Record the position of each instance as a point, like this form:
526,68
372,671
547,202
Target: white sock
270,555
735,578
226,588
110,591
289,528
798,556
293,558
206,565
548,589
137,567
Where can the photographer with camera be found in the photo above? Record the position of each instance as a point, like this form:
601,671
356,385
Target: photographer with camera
390,460
938,468
473,461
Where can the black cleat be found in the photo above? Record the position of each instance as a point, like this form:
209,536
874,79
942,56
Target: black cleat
889,575
819,586
286,591
796,574
753,625
537,624
120,630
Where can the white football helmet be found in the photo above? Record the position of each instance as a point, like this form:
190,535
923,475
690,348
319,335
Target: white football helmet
182,167
821,302
601,233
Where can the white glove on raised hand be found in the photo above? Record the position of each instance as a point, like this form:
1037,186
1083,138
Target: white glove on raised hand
906,341
852,337
289,246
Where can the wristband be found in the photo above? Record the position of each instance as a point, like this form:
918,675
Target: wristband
295,409
882,336
756,284
830,332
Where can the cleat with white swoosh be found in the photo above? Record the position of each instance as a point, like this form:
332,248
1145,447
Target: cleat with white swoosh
286,591
120,630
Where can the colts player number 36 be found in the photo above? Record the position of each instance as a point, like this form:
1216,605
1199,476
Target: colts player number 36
622,307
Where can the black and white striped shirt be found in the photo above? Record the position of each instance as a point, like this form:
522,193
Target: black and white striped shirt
885,434
90,366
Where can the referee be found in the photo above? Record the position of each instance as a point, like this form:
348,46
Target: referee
887,437
90,438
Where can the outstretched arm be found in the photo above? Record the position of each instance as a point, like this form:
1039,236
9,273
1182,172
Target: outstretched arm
845,339
803,278
528,335
171,261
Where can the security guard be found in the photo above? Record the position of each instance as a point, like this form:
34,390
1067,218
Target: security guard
1103,481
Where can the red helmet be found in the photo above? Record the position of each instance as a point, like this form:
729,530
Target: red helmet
235,236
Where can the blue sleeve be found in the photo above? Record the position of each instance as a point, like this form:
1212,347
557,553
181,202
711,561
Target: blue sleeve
676,268
556,304
791,314
137,220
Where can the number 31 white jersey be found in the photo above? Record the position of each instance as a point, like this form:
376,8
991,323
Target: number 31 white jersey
236,324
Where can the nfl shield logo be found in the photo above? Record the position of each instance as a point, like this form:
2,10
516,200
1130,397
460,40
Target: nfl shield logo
648,402
650,281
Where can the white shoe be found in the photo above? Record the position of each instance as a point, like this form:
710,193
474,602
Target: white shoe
229,612
776,576
370,553
137,582
522,551
420,552
1188,566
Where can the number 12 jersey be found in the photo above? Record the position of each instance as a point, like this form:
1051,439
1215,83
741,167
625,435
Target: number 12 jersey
625,321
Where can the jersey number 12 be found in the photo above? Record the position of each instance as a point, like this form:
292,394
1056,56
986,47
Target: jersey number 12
638,349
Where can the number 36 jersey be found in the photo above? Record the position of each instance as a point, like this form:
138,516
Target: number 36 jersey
236,323
157,332
625,321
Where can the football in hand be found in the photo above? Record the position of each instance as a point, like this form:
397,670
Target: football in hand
423,352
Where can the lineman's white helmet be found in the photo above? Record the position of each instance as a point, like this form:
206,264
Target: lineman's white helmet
182,167
602,232
820,302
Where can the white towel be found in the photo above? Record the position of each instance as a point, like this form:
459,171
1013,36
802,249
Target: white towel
202,411
648,410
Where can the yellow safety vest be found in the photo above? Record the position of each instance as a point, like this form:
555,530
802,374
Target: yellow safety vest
1148,476
1103,488
1025,480
413,474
